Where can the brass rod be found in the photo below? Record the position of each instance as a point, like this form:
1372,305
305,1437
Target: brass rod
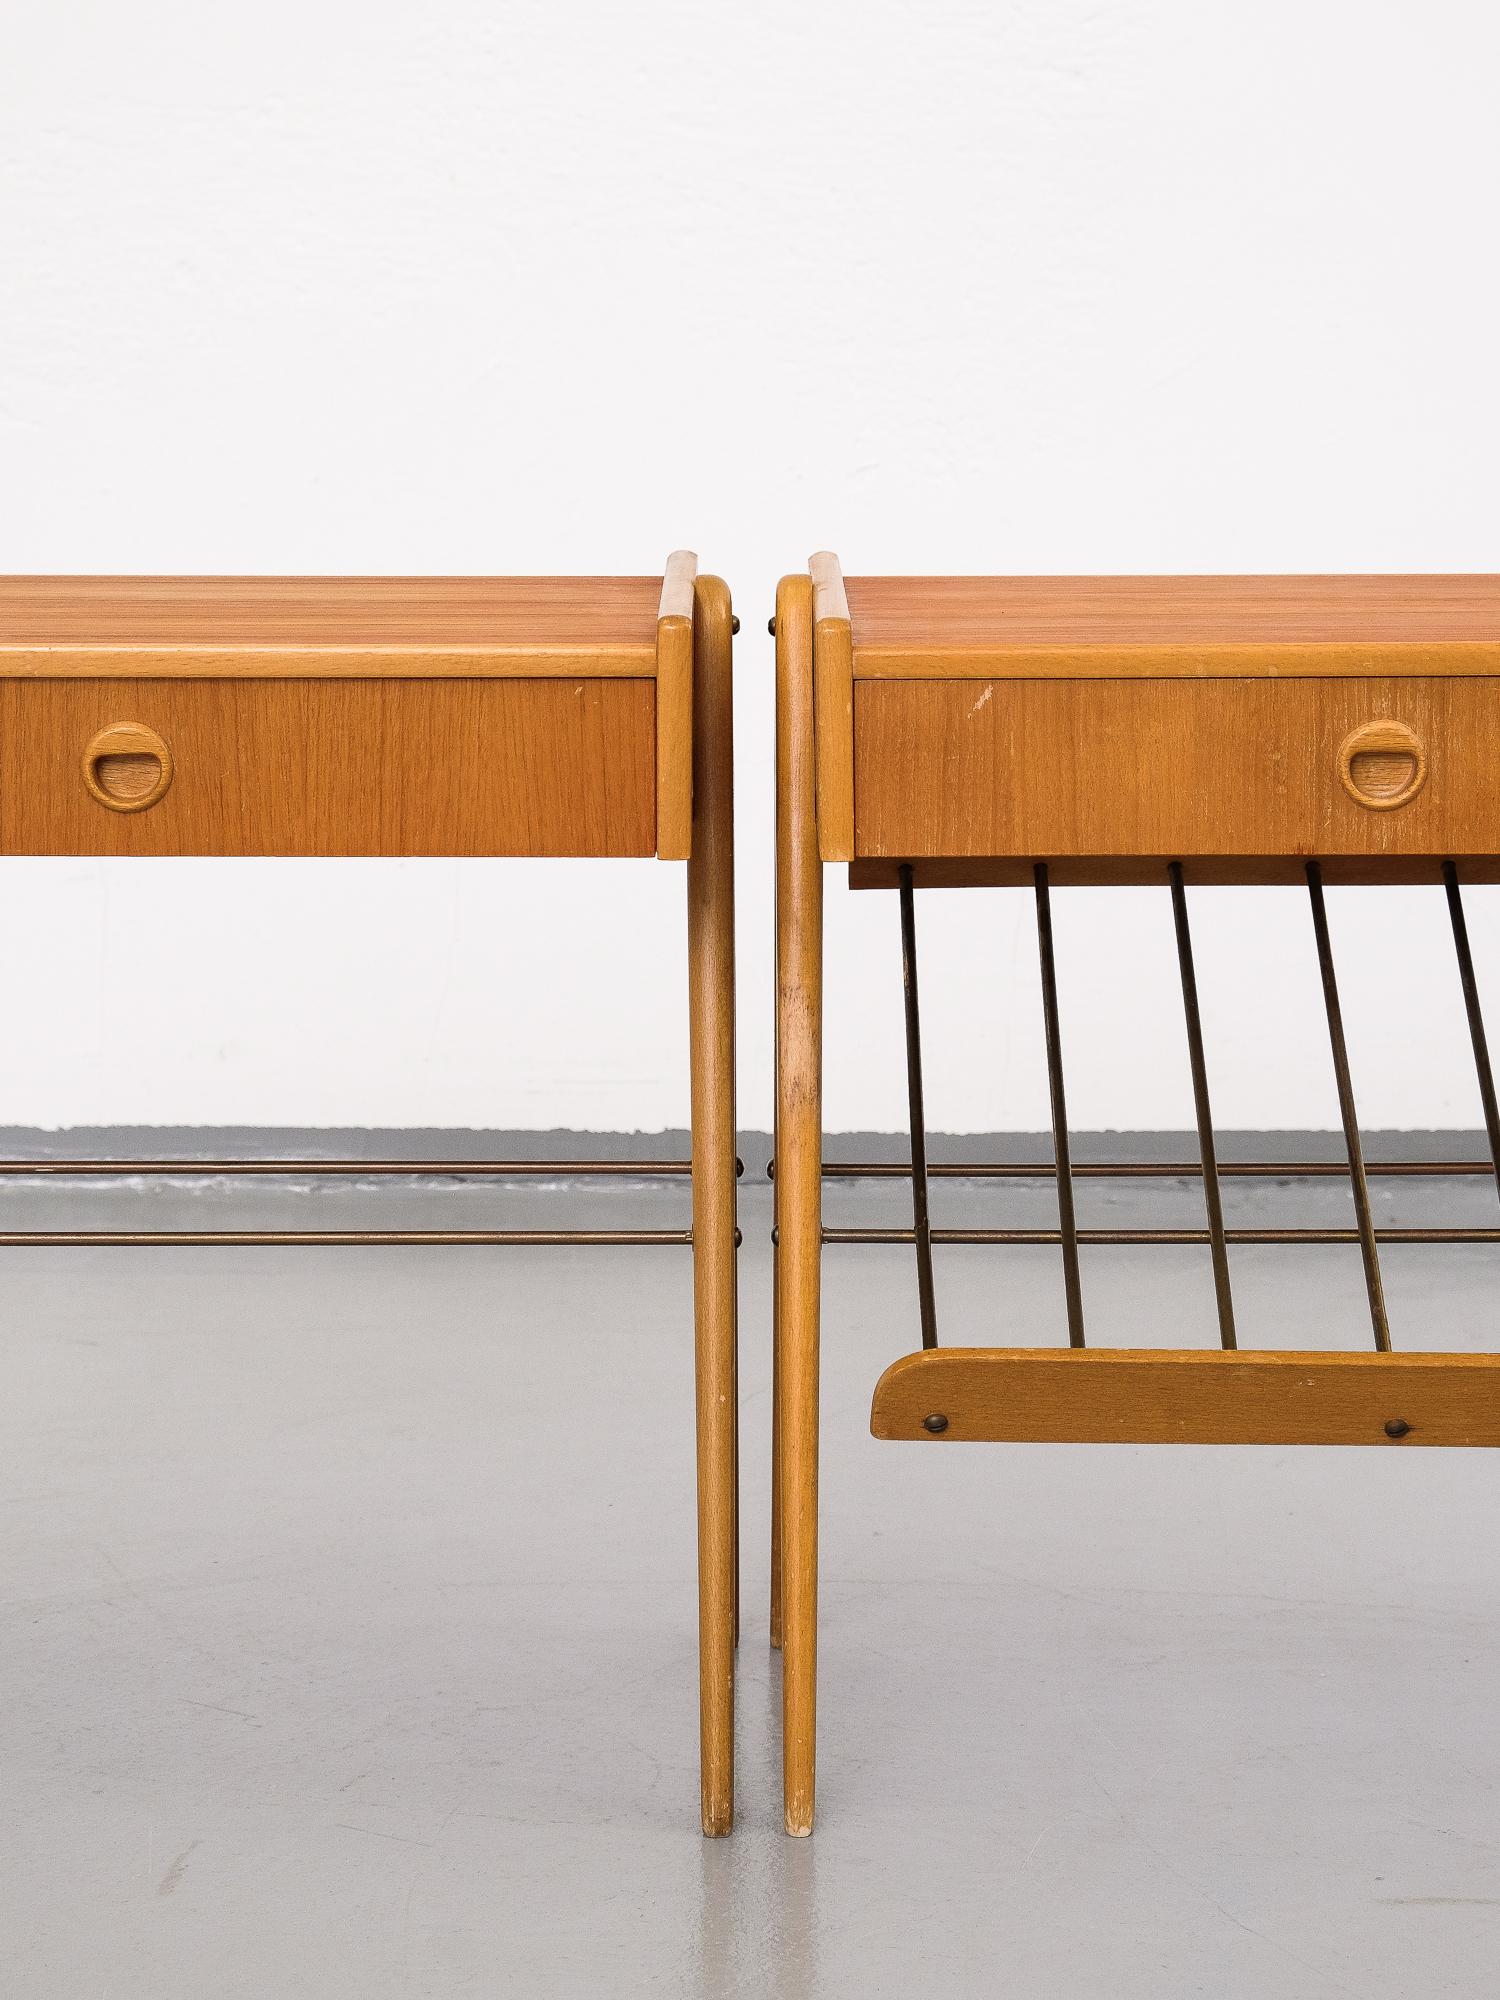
1368,1252
943,1237
921,1221
859,1170
1068,1231
331,1238
1472,1008
1212,1201
449,1169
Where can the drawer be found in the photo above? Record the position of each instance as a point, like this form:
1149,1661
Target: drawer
1356,767
335,767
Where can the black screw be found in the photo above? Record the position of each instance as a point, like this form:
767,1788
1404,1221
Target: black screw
771,627
937,1425
1397,1427
734,626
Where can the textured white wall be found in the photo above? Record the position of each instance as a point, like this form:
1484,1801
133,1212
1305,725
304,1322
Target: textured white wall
480,286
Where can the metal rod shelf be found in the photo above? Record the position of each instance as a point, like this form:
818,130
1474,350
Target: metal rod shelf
1354,1170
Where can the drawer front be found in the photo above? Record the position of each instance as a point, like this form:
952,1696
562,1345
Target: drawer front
1364,768
378,767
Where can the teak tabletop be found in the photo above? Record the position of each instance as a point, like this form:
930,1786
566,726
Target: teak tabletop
1224,720
330,624
960,625
349,715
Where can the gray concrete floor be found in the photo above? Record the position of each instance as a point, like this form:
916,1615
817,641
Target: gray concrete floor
348,1641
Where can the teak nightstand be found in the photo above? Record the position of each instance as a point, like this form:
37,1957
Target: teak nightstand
586,716
1174,730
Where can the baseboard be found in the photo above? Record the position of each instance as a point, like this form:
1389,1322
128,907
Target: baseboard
355,1143
70,1202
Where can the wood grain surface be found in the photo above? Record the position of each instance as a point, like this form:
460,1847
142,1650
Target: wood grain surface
339,767
1108,626
710,901
833,722
338,626
799,1159
674,709
1166,767
1189,1396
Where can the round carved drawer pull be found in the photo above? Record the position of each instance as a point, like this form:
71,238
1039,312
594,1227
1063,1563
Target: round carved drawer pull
127,767
1382,765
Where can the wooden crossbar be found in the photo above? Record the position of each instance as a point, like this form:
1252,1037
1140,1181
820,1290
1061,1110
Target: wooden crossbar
1187,1396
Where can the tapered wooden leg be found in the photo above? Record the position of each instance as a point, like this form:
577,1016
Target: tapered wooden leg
775,1440
799,1122
776,1343
710,877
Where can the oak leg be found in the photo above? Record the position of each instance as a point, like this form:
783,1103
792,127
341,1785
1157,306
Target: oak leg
799,1121
710,886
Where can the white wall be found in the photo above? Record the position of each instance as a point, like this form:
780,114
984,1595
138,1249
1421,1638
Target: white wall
488,286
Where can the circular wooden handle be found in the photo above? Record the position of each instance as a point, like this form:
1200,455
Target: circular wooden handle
127,767
1382,765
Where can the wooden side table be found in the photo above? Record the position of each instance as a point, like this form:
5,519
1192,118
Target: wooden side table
586,716
1044,731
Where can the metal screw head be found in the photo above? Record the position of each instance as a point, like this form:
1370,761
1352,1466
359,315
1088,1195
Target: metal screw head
734,626
936,1424
1397,1427
771,627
